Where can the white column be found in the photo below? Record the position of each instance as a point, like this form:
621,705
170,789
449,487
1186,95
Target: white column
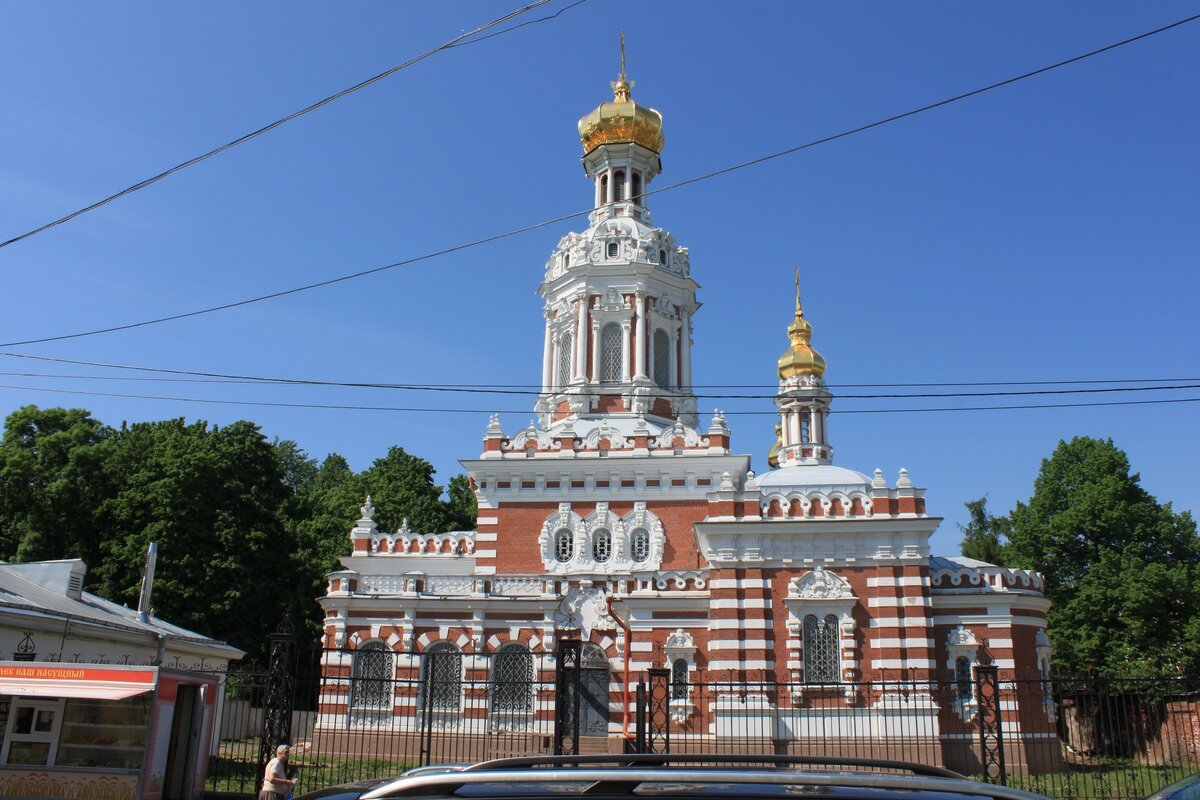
548,358
626,367
580,339
640,360
685,356
595,352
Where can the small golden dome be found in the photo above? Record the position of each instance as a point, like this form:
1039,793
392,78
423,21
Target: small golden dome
622,121
800,358
773,453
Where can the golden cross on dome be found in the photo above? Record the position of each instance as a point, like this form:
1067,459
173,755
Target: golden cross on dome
622,86
799,311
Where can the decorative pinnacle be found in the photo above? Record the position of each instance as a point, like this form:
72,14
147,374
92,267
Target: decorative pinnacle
799,311
623,85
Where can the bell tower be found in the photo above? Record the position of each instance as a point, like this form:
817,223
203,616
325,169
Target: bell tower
803,399
619,297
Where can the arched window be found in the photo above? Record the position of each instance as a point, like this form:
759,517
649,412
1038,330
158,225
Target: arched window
564,360
372,677
618,186
566,260
662,256
679,679
604,188
662,358
610,353
804,433
512,682
636,187
962,679
564,545
601,546
639,545
441,677
822,661
613,249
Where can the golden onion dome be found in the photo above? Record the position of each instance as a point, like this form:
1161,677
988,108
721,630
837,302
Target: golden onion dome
773,453
800,358
622,121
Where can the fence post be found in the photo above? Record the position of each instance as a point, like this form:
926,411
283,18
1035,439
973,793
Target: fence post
280,694
659,739
991,731
567,672
640,725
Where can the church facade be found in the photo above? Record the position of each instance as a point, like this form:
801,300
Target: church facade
620,517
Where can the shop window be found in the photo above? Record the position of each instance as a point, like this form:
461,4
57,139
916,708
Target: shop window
822,661
32,732
110,734
371,677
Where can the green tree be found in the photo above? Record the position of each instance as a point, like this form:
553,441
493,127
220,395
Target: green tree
212,499
462,505
52,480
983,535
1121,568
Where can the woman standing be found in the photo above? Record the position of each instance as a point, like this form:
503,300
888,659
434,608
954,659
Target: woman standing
276,782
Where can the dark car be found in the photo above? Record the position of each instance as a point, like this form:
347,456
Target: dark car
1186,789
678,776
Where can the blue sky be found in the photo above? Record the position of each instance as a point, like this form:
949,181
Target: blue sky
1044,231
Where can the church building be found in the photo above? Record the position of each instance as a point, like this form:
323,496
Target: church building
618,516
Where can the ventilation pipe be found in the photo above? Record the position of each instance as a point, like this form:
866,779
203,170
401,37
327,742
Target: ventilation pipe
147,583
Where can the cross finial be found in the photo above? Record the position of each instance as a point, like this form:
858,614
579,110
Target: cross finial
622,52
798,309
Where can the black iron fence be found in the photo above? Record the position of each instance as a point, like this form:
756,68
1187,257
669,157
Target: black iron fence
356,714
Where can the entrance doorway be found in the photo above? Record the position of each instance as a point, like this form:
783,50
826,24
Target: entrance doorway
185,742
593,684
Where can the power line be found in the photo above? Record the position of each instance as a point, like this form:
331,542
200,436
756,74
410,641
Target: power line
656,393
482,411
222,377
565,217
457,41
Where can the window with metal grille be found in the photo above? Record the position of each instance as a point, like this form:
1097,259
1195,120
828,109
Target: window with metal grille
441,676
371,676
564,360
613,249
662,358
512,681
1047,687
962,678
639,545
679,679
610,353
822,663
601,546
564,545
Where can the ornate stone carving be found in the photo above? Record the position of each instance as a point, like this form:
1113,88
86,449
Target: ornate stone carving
961,637
820,584
585,609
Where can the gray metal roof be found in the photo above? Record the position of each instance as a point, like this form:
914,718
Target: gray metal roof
46,587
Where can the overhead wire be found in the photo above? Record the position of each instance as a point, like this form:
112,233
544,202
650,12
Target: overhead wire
562,218
225,377
482,411
457,41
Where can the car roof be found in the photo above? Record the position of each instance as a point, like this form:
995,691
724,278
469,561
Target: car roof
692,776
